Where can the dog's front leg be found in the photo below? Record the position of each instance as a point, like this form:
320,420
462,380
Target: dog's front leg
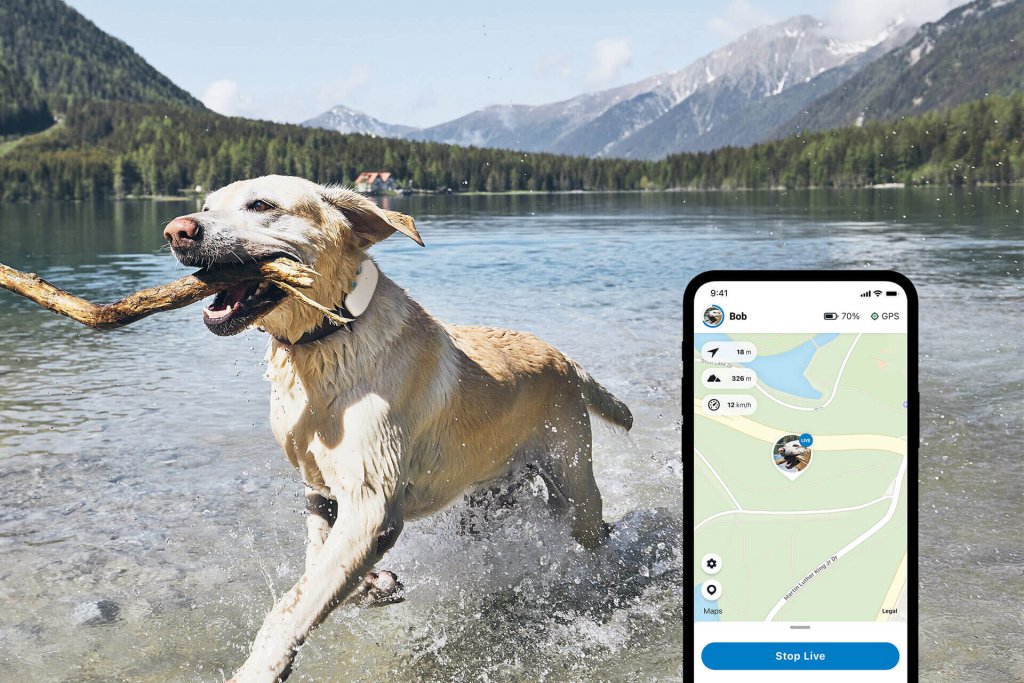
322,513
372,524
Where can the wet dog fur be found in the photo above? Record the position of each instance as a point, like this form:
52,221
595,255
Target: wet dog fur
395,418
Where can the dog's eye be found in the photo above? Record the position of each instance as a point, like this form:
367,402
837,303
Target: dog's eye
206,208
259,206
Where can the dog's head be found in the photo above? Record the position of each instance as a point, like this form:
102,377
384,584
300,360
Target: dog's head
328,228
792,448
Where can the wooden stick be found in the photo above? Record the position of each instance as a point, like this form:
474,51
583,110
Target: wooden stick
328,313
177,294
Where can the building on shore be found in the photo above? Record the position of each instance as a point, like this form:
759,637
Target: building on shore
375,182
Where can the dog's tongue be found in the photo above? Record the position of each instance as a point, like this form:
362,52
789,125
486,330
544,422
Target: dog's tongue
234,296
223,307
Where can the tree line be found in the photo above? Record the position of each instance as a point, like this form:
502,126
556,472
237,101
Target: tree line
118,149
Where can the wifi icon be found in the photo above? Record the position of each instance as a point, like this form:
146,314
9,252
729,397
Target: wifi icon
878,292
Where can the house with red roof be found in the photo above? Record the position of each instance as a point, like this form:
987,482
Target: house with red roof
373,182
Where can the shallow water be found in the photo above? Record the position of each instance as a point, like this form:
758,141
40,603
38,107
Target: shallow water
147,518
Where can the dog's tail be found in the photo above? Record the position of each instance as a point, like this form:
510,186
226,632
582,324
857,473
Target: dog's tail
602,401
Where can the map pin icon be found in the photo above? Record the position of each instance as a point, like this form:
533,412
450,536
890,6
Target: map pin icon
791,455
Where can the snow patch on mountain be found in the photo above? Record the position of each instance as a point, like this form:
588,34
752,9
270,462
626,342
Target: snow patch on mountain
345,120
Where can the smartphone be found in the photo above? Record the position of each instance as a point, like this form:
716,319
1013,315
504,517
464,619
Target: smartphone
800,434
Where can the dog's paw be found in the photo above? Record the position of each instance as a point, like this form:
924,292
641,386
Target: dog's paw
379,589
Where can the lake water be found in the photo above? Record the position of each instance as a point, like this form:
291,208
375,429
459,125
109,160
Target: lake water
148,519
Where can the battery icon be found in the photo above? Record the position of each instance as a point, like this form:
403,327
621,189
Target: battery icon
831,316
891,293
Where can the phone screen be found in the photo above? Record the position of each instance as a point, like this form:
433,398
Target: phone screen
801,488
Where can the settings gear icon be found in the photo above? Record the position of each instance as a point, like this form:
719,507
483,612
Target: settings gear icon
711,563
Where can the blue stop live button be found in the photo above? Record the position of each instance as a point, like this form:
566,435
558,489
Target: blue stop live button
800,656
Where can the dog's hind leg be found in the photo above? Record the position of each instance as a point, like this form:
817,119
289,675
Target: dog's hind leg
495,499
567,469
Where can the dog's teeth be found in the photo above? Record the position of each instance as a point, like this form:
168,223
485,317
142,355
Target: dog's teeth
262,288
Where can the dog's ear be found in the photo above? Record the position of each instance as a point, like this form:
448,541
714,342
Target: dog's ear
370,223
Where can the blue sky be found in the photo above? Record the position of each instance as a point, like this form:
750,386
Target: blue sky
422,63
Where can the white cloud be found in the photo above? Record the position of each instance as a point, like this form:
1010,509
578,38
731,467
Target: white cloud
553,66
287,104
611,56
225,97
339,91
861,19
739,17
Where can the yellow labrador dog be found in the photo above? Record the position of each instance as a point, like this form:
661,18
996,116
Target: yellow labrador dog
392,416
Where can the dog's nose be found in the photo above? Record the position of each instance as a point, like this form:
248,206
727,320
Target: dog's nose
182,231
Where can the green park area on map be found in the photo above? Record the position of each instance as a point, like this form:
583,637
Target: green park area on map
778,536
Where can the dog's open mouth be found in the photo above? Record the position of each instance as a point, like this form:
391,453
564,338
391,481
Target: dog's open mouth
237,307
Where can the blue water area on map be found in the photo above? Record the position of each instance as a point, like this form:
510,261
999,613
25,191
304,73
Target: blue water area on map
781,371
699,603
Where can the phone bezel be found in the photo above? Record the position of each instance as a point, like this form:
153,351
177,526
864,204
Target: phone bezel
913,433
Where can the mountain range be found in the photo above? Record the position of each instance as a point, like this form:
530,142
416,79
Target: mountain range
737,94
347,121
974,51
694,109
127,130
773,81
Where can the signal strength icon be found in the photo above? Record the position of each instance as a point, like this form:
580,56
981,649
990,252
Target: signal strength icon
866,294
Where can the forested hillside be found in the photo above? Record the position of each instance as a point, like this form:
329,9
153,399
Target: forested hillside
979,142
115,149
65,58
22,109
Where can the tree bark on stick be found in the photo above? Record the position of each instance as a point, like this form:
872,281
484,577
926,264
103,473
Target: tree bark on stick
146,302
